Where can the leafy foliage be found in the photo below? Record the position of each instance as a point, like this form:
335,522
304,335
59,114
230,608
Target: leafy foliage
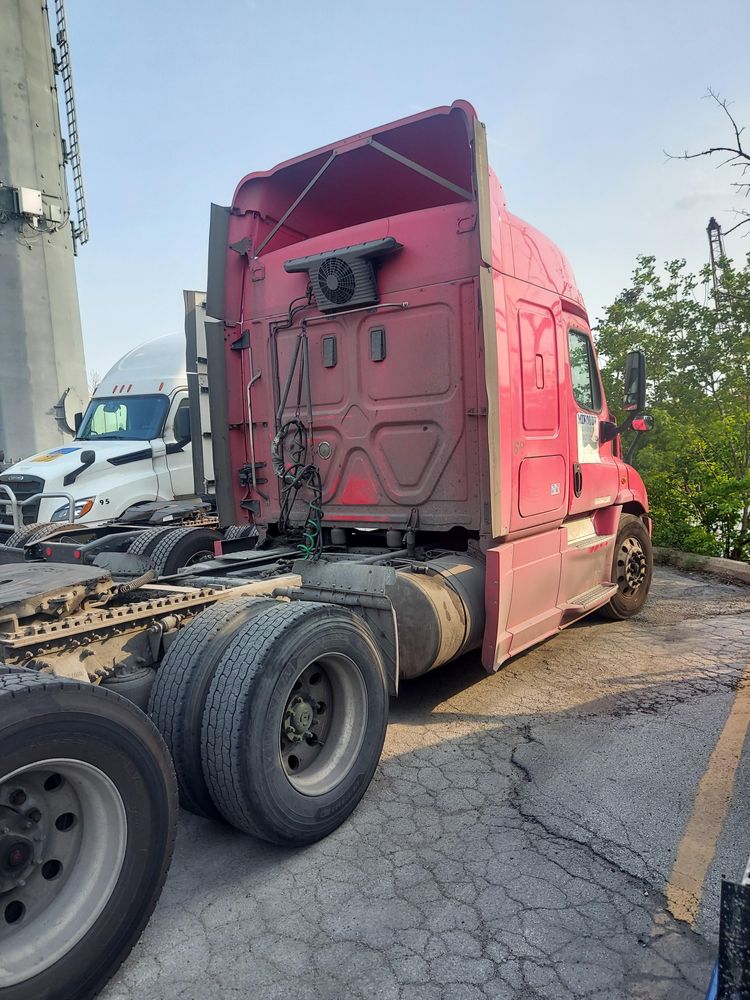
696,465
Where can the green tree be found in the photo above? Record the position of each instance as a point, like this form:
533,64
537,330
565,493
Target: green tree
697,342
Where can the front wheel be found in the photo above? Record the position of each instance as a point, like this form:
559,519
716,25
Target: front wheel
295,721
632,569
87,824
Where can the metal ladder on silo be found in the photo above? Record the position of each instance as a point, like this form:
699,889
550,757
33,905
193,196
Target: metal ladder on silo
73,157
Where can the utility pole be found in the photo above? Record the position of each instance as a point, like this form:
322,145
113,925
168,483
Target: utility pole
41,346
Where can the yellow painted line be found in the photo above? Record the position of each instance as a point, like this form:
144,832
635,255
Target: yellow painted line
698,845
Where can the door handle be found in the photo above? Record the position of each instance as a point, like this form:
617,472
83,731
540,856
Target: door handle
577,479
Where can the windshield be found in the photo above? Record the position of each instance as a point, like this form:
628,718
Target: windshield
124,418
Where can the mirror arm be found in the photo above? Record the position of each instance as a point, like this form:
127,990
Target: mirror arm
635,445
88,457
606,435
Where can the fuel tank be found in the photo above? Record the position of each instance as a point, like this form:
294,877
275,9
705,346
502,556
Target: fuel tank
439,606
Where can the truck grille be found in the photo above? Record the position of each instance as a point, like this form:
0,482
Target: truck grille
23,487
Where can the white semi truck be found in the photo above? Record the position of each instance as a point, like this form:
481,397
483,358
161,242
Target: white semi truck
132,446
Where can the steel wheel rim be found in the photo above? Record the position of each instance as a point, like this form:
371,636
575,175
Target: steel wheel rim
70,815
203,556
631,566
323,724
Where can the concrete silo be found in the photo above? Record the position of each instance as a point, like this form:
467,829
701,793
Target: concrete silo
41,347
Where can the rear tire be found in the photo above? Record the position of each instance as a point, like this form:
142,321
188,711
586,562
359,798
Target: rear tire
235,531
5,669
632,569
295,671
178,696
17,539
147,540
183,547
33,533
91,775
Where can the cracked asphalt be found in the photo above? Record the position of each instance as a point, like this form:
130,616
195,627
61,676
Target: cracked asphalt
516,843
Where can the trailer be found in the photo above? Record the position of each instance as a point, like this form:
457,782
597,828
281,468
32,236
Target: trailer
406,407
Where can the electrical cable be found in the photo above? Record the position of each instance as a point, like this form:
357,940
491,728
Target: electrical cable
293,442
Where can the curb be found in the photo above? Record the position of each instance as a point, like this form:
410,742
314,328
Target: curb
728,570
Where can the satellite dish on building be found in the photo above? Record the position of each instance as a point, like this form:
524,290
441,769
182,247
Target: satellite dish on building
69,411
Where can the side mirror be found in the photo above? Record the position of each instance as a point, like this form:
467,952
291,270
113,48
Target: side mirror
182,425
88,457
635,381
643,423
640,425
77,421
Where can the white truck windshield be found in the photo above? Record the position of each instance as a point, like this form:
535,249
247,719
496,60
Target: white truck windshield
124,418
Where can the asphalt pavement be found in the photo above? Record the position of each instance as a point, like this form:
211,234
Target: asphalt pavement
558,830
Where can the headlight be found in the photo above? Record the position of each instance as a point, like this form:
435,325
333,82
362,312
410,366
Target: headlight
82,508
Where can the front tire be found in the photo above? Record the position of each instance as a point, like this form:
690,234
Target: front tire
295,721
88,806
632,569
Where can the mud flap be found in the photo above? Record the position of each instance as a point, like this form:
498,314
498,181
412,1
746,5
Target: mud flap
367,589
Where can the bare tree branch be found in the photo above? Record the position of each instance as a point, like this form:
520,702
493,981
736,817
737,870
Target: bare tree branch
743,222
737,151
724,105
738,156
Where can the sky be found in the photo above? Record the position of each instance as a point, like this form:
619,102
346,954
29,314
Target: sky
178,99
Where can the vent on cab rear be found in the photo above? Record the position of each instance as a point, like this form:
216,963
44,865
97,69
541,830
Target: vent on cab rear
345,278
337,282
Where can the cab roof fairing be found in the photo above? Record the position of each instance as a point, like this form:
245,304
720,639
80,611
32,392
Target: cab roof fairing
157,365
427,138
359,139
415,163
523,251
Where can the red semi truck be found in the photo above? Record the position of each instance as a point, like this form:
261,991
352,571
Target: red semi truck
406,404
450,390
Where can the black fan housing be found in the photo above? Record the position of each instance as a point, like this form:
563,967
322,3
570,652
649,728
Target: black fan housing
344,278
336,280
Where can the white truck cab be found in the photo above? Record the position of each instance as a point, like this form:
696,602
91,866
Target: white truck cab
132,446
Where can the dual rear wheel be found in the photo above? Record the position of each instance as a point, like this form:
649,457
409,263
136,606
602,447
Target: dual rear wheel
169,549
275,714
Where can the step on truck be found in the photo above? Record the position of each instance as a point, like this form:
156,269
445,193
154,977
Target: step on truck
406,405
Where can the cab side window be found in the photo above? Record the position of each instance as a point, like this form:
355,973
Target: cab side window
182,422
586,388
